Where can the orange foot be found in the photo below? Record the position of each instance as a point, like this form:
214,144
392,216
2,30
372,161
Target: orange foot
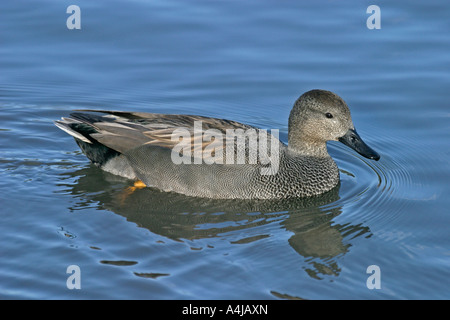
128,191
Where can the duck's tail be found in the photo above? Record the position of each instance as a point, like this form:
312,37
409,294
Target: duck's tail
81,126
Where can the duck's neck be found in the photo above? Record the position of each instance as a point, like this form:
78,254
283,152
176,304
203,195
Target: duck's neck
311,149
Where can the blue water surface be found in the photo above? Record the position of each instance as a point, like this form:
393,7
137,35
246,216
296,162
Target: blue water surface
246,61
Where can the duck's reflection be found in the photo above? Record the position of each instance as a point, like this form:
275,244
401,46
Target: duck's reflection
310,220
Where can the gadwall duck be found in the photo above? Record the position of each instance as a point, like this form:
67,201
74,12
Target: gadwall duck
217,158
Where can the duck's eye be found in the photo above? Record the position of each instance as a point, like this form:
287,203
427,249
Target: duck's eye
328,115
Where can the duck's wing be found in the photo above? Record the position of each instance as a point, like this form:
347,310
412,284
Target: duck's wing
123,131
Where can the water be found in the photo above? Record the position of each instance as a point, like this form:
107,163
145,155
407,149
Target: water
246,61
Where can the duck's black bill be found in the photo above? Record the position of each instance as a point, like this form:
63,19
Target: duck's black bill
354,141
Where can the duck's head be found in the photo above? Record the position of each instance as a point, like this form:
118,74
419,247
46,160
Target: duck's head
319,116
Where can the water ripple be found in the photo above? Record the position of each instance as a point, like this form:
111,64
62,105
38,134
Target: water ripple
382,191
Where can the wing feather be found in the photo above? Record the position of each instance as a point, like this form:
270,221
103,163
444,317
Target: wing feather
123,131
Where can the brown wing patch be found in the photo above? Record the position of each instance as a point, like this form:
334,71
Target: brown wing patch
124,131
